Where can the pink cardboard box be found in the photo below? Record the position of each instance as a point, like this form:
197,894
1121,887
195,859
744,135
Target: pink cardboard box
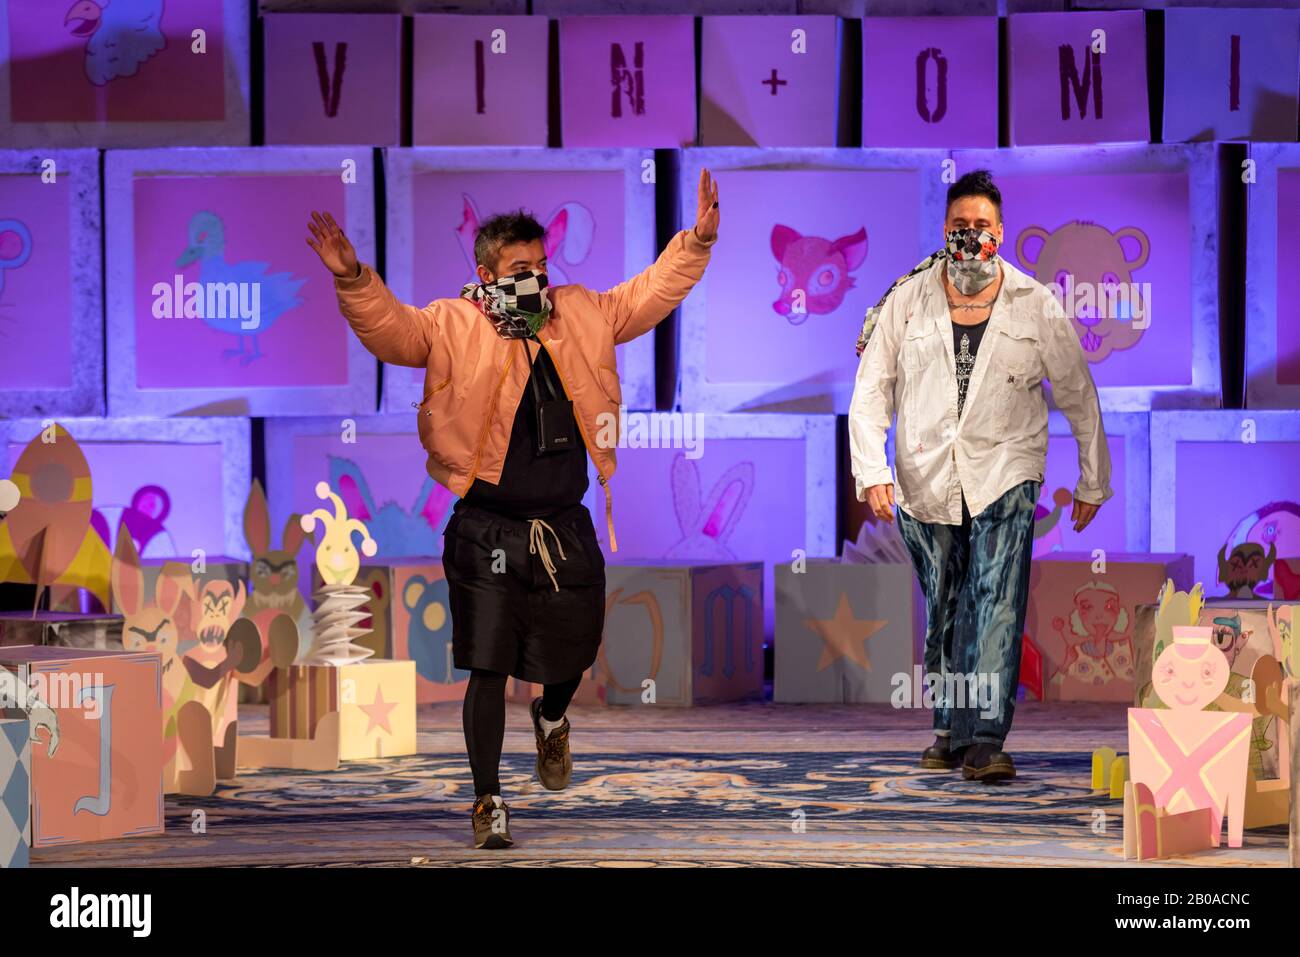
105,778
1065,90
627,81
479,81
333,78
1082,616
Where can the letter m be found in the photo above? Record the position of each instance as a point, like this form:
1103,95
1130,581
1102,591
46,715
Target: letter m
1071,82
728,596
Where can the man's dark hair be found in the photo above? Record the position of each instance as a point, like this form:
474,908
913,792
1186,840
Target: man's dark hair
978,182
502,230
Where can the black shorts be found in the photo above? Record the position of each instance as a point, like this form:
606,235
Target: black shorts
506,614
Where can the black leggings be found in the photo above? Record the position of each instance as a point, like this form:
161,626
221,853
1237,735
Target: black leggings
485,722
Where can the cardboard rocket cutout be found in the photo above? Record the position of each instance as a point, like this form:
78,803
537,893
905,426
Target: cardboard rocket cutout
47,539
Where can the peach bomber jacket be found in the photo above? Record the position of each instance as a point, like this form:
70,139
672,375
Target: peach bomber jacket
474,379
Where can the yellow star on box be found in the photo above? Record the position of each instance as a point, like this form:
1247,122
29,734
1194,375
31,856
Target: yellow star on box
844,636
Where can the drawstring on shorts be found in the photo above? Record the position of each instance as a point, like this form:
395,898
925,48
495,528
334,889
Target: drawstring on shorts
537,546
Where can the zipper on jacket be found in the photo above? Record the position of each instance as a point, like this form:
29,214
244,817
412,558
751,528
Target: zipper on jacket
429,395
600,476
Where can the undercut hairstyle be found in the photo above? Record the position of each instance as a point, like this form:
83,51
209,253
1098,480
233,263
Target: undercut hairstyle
978,182
502,230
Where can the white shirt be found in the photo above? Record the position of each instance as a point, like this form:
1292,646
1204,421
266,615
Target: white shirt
908,369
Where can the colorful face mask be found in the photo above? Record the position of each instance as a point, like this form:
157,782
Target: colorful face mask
972,258
517,305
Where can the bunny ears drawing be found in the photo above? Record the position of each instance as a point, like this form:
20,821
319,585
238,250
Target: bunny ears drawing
707,523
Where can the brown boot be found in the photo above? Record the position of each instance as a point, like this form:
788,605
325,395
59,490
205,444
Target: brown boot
987,762
491,819
940,756
554,762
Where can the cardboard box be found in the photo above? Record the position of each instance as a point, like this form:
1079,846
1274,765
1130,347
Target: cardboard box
15,792
374,698
642,95
844,631
769,80
1055,78
696,631
332,78
105,778
464,92
1082,613
65,629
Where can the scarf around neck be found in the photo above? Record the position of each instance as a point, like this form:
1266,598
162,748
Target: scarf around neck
517,306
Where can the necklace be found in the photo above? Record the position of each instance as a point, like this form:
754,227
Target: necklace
972,305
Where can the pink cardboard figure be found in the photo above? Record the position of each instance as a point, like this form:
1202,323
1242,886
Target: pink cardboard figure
1189,759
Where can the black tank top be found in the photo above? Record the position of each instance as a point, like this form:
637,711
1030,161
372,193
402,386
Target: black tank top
532,485
965,346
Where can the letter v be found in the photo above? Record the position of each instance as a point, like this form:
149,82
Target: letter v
329,88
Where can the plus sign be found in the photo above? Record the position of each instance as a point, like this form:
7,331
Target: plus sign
774,82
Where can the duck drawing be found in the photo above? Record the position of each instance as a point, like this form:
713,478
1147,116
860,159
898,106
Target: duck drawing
120,35
277,293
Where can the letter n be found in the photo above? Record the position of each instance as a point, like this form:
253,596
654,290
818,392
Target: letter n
625,82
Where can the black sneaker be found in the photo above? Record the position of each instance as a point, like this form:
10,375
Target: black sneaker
939,756
987,762
491,820
554,762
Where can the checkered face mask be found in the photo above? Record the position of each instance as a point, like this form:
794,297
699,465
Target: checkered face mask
972,259
516,305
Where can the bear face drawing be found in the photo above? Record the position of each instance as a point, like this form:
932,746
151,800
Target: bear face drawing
1089,269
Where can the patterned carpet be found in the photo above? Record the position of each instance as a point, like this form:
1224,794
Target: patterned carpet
751,784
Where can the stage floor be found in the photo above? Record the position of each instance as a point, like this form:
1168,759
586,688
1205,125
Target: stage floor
748,784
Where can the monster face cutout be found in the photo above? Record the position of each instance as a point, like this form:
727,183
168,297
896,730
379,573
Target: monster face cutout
220,603
336,556
1245,567
1192,672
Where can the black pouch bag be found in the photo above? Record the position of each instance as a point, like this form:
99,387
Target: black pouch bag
555,420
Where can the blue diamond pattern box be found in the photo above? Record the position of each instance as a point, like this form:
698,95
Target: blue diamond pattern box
15,792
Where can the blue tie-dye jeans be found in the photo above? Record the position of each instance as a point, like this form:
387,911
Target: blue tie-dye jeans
975,577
